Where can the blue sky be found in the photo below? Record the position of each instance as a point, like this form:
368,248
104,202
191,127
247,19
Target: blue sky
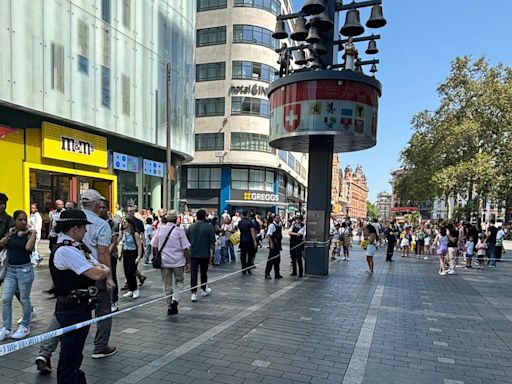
420,40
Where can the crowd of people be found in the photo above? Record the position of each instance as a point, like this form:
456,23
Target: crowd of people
88,244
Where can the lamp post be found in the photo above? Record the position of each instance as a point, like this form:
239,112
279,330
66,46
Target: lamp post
324,107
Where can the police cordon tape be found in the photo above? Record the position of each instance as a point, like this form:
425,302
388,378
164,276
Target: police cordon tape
5,349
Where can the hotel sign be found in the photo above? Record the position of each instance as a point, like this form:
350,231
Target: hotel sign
249,90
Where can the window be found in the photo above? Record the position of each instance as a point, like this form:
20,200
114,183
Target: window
291,161
58,67
252,179
207,5
105,86
250,106
211,71
283,155
107,47
251,34
211,36
83,47
105,10
268,5
241,141
253,71
210,107
125,88
127,16
210,141
203,178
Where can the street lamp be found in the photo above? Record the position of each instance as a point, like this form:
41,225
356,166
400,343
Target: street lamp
323,107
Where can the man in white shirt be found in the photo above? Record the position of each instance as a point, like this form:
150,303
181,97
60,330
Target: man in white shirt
500,236
175,258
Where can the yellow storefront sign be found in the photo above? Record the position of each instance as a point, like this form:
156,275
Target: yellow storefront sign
71,145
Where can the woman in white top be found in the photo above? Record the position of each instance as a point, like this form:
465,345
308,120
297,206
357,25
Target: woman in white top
36,222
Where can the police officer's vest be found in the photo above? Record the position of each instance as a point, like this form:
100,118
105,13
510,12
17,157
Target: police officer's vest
66,281
294,240
277,236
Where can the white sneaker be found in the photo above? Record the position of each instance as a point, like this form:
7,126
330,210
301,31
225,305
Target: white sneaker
206,292
114,307
452,272
136,294
21,332
193,297
33,315
425,258
5,334
128,294
442,273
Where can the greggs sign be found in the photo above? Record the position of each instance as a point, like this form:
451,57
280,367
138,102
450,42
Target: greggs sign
72,145
254,196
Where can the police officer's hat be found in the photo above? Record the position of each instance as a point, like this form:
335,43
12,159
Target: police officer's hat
72,217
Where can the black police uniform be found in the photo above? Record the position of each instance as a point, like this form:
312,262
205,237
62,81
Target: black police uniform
296,249
73,306
274,261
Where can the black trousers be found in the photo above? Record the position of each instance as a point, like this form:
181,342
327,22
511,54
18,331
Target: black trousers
247,255
72,343
130,268
296,255
389,252
273,261
499,251
53,242
195,264
115,291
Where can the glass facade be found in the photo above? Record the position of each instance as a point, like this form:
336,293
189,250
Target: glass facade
103,64
253,71
252,34
268,5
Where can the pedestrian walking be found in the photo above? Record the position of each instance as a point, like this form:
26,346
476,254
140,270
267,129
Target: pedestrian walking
36,222
98,239
481,250
19,276
248,242
202,252
54,216
274,236
148,235
228,229
297,246
131,212
346,239
370,234
391,237
453,247
441,242
74,273
131,254
172,243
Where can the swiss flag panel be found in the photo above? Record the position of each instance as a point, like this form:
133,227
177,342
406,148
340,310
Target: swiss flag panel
291,117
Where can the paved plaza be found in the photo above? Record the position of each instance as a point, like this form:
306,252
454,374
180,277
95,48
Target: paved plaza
404,324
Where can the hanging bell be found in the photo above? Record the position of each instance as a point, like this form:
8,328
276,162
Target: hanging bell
358,67
313,7
301,59
280,31
315,64
372,48
352,26
322,21
311,55
373,69
313,36
376,19
320,48
299,30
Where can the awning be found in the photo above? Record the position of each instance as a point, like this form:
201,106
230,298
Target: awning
248,203
213,201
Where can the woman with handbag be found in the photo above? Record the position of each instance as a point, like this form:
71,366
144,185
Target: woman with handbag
19,275
132,253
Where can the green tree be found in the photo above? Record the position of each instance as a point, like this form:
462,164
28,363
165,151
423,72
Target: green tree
372,211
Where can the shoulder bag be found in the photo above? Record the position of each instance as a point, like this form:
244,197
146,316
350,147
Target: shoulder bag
157,260
3,264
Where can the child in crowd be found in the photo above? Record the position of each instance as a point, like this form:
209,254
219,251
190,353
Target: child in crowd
148,235
219,254
469,248
427,247
481,249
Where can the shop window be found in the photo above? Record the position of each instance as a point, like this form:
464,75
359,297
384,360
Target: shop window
239,178
210,107
83,47
203,178
125,88
208,5
211,36
127,4
272,6
251,34
209,141
253,71
242,141
58,67
250,106
211,71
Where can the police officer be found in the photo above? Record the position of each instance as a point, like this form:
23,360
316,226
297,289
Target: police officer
296,248
74,274
274,236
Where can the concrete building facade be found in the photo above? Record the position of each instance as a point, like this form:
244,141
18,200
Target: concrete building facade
356,192
383,204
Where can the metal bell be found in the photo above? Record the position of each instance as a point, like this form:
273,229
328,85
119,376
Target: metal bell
352,26
322,21
359,69
376,19
301,59
299,30
373,69
320,48
372,48
313,7
315,64
280,31
311,55
313,36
